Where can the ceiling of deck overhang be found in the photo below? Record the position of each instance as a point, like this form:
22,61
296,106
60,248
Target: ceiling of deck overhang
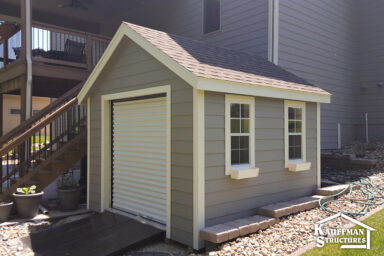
98,13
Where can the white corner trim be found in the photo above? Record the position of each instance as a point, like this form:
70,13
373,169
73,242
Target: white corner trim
302,105
198,167
88,151
273,31
215,85
244,174
106,161
230,98
318,120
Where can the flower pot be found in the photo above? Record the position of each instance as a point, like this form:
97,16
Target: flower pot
5,211
27,205
69,198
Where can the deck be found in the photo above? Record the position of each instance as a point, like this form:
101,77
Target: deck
98,235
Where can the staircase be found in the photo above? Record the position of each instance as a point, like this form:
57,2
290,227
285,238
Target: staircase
42,148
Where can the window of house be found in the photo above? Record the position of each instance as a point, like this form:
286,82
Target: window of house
14,111
240,131
211,21
295,131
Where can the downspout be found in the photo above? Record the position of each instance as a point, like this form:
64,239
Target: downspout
273,31
28,53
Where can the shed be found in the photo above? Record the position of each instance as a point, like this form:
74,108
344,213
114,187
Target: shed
189,135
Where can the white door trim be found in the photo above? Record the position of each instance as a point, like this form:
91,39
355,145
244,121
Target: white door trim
106,135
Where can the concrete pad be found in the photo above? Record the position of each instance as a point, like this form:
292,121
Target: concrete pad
219,233
331,190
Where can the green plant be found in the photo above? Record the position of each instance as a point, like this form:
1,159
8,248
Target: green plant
27,190
67,181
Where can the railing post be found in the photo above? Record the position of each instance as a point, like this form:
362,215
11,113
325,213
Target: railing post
5,48
88,52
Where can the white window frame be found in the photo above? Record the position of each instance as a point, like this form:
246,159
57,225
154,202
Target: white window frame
235,99
296,164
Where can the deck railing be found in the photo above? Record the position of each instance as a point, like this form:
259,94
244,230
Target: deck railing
37,140
56,46
61,46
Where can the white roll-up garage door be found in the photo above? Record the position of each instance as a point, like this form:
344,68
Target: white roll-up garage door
139,156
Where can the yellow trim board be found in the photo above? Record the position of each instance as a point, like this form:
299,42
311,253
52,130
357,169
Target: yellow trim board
196,82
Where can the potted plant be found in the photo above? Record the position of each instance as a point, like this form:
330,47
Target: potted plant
5,210
68,192
27,201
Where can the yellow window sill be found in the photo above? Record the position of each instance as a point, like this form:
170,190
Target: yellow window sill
298,166
243,172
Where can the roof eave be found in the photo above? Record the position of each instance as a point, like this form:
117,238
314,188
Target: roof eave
215,85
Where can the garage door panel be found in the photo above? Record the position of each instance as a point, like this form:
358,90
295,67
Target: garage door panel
140,157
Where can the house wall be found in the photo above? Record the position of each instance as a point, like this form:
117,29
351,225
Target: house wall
244,24
228,199
371,65
14,102
131,68
317,41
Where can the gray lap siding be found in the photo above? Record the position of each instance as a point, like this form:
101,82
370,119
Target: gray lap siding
228,199
131,68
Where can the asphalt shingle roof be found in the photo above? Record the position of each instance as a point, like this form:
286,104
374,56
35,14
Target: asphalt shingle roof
208,61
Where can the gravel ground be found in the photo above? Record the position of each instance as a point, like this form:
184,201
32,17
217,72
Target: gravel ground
295,231
290,234
10,243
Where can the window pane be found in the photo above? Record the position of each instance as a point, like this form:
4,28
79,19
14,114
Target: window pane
291,113
294,146
245,110
294,140
244,142
244,125
235,110
235,125
291,126
235,157
298,126
211,15
298,115
244,156
235,142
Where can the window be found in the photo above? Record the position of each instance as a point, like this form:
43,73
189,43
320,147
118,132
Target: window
14,111
295,137
211,16
240,130
295,132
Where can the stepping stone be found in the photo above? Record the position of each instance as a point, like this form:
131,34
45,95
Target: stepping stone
305,203
277,210
233,229
263,221
331,190
219,233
